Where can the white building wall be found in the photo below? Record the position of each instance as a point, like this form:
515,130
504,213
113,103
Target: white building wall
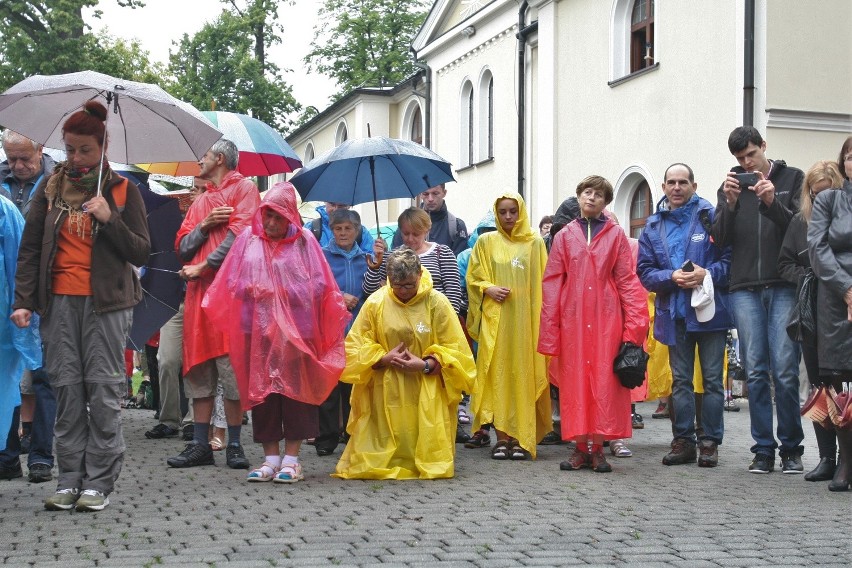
480,184
682,111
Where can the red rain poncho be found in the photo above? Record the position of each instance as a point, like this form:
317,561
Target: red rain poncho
201,341
592,302
281,310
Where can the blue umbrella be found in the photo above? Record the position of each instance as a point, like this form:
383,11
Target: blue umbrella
161,286
370,169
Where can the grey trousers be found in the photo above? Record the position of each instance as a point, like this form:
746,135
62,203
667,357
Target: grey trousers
84,357
170,359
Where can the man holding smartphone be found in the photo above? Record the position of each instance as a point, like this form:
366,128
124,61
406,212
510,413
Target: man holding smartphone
678,261
751,217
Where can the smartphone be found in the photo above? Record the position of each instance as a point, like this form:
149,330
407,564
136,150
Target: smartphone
747,180
687,266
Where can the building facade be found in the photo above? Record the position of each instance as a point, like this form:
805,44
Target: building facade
536,95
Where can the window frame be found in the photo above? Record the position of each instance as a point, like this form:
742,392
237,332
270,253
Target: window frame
639,222
641,42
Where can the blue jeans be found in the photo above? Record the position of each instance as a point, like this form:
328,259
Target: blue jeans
711,353
761,317
41,436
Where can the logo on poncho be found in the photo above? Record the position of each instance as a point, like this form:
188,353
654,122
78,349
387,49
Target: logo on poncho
516,263
422,328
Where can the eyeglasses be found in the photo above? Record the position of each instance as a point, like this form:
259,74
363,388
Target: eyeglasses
404,286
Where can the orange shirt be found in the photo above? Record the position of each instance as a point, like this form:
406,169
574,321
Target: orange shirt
72,274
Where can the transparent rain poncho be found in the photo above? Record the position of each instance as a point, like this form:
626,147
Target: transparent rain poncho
279,305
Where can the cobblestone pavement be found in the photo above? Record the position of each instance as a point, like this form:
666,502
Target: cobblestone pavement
492,514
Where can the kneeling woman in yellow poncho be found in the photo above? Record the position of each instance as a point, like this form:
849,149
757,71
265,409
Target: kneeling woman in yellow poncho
409,362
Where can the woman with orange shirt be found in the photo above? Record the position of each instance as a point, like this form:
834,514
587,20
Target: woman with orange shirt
75,268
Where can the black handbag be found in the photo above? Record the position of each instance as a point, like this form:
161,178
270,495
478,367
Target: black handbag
630,365
803,317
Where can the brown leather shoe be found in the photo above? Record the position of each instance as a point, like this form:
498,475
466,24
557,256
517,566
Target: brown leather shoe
683,451
708,453
578,460
599,463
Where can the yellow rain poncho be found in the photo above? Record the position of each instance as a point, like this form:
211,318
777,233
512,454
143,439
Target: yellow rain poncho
511,389
403,424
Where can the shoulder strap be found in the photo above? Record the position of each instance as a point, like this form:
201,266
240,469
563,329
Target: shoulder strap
316,228
453,221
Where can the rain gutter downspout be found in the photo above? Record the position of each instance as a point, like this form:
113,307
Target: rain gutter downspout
748,65
523,32
427,99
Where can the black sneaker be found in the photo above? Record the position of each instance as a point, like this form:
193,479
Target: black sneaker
551,439
762,463
638,423
461,436
791,464
193,455
13,472
39,473
188,433
235,457
161,431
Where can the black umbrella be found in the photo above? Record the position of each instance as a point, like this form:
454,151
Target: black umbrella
162,287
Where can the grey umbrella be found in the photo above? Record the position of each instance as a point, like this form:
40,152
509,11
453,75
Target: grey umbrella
144,123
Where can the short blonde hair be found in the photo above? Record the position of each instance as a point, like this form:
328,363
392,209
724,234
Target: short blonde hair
403,263
824,170
415,218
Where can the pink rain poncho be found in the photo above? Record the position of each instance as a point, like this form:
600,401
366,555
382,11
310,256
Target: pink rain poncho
592,302
281,309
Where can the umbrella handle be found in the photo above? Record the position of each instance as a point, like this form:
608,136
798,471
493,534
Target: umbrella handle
374,264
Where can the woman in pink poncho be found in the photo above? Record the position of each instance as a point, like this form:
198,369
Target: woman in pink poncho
592,301
277,300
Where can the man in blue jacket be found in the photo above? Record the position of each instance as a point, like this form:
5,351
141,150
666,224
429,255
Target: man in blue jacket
679,261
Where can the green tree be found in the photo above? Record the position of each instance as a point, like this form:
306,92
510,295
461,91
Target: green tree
51,37
217,67
127,60
365,42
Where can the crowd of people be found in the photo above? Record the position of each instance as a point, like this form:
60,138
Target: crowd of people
328,335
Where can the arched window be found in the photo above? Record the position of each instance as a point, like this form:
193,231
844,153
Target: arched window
415,134
486,117
466,127
640,209
641,35
342,134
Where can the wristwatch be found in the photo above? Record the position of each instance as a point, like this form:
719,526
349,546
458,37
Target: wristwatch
426,368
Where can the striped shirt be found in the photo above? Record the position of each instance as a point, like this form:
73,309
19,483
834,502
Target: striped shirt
439,260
